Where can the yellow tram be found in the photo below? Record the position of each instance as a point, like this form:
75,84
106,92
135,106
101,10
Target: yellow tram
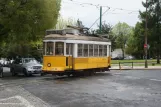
67,52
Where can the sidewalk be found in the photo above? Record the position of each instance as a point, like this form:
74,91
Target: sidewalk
136,68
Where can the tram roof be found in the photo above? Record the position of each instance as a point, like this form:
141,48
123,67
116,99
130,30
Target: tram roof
75,37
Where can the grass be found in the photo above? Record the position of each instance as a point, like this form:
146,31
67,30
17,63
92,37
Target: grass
135,62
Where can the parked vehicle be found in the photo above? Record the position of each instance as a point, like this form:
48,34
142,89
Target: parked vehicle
129,58
1,71
26,66
3,62
117,58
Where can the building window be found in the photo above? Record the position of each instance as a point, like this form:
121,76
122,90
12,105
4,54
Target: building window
100,50
80,50
91,50
85,50
96,50
49,50
105,50
59,48
68,49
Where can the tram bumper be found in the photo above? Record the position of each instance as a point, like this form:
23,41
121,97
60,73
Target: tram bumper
53,70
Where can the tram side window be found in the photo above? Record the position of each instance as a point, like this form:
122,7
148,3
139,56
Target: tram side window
69,49
59,48
100,50
85,50
91,50
80,50
105,50
96,50
109,50
49,50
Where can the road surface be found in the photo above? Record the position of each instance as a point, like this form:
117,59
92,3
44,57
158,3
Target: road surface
130,88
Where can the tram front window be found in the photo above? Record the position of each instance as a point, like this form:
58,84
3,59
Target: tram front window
59,48
49,50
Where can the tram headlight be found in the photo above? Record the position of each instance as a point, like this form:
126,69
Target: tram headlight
49,64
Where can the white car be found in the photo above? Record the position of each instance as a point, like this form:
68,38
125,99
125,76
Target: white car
26,66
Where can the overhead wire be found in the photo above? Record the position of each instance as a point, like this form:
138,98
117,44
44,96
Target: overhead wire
74,3
99,18
98,5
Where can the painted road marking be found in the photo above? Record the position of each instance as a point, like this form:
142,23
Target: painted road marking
132,77
155,80
21,101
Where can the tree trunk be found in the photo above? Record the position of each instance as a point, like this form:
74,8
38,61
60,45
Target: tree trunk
158,47
158,60
158,34
158,55
123,53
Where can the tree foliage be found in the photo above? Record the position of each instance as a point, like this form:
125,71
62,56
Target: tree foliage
122,31
136,43
107,31
24,21
62,23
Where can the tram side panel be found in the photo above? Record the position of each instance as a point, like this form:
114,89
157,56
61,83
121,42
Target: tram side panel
91,63
60,64
54,64
69,63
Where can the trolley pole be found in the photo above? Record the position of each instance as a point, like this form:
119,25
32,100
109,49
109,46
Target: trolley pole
146,39
100,19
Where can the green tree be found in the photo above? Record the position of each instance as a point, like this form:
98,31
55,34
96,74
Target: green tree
136,41
62,23
122,31
154,24
107,31
25,21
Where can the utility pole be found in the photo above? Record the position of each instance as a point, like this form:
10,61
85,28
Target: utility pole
146,39
100,19
158,42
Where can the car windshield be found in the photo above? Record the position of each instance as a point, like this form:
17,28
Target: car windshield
30,61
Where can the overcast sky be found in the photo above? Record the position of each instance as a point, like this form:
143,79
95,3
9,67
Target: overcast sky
88,14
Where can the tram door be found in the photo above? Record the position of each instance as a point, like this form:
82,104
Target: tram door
69,55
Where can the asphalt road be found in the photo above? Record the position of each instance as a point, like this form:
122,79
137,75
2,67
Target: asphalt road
131,88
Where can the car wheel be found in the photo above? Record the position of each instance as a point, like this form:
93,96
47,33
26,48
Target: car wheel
13,72
25,72
42,73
